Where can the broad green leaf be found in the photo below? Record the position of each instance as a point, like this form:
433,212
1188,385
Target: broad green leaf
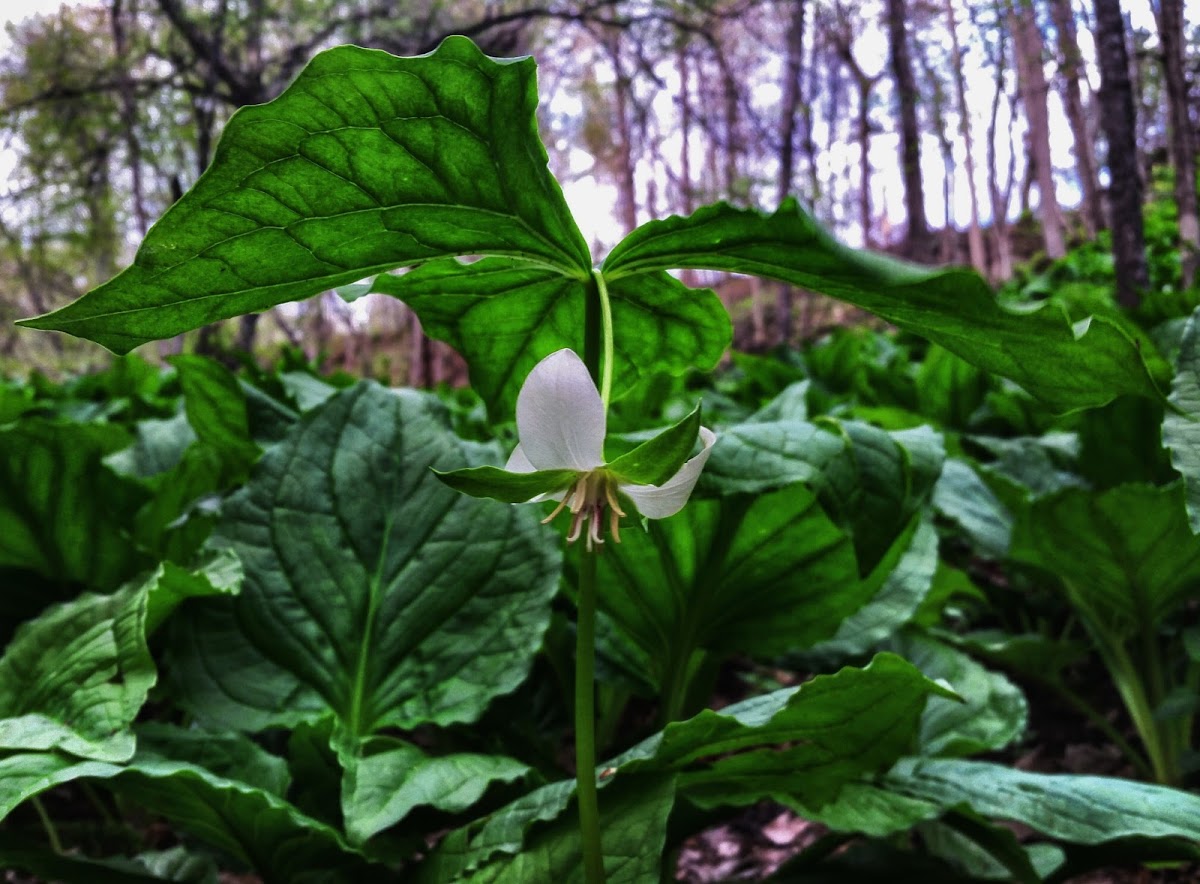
633,827
389,778
158,447
853,722
1181,422
498,484
659,458
26,774
893,606
883,479
74,678
504,316
50,469
1127,554
256,826
226,754
949,388
1042,464
503,832
764,455
373,592
960,495
763,575
216,409
1076,809
990,715
367,162
1067,365
836,728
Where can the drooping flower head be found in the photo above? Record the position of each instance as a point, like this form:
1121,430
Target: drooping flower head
561,425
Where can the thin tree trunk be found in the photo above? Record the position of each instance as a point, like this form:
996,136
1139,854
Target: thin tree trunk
975,231
1169,15
1002,260
918,242
626,185
1027,41
787,150
1120,124
1071,69
686,195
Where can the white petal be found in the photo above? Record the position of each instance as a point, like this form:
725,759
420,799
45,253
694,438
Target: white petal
560,418
660,501
518,462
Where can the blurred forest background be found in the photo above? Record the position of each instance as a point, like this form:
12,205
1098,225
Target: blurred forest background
996,133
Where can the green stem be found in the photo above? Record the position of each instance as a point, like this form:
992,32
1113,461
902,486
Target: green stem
606,332
1132,755
585,722
47,824
1133,692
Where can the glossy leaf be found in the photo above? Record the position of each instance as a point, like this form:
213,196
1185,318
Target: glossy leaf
365,163
48,469
390,778
990,715
893,606
504,317
1067,365
835,728
961,495
762,575
1126,554
1181,422
659,458
373,592
499,484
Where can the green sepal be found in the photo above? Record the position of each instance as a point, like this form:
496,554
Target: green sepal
507,487
658,459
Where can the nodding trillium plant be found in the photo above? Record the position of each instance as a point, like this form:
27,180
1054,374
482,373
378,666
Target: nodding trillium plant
561,425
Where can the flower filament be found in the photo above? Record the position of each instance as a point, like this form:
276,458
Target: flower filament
586,500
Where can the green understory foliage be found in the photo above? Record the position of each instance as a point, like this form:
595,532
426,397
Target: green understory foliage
245,603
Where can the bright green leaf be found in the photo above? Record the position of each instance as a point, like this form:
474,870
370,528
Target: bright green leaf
1181,424
504,316
373,592
1069,366
659,458
498,484
367,162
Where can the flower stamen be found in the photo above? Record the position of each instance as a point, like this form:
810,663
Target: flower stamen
587,500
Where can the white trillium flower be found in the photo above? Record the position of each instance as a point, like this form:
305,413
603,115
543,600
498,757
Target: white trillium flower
561,424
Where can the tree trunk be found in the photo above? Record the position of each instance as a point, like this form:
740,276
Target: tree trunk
1002,260
918,242
1071,69
1120,124
686,195
1169,15
974,232
787,149
626,185
1027,41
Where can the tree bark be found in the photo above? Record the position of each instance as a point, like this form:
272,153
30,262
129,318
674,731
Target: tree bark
1031,78
918,242
1071,70
787,149
974,231
1120,124
1169,15
1002,259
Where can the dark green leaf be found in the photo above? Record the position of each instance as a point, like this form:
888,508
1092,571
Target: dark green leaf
504,316
498,484
659,458
1127,554
216,409
373,593
389,778
1068,366
49,470
365,163
1181,423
